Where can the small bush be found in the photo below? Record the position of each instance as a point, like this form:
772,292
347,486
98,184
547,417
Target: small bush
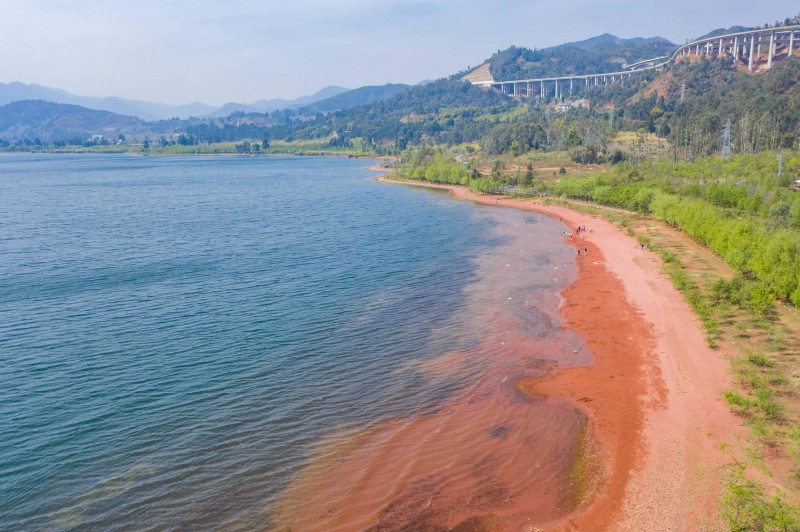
759,301
757,359
777,340
669,257
719,291
765,401
737,402
778,379
741,501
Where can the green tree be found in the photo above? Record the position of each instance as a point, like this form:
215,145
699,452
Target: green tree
528,179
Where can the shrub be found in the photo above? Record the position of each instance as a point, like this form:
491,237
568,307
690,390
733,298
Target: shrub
737,402
757,359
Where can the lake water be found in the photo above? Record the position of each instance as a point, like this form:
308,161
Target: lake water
256,343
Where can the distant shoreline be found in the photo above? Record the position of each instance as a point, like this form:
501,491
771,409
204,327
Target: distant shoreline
652,443
188,154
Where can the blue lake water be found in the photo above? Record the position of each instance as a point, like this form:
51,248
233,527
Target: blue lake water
176,334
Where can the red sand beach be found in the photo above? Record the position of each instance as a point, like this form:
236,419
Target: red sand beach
653,394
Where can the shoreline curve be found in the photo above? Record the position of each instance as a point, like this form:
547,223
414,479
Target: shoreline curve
653,394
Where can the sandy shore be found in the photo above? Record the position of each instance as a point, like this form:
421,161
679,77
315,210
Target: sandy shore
653,394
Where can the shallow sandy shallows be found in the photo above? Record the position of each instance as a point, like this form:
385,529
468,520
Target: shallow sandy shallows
653,393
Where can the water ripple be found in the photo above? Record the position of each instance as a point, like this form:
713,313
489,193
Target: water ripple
177,335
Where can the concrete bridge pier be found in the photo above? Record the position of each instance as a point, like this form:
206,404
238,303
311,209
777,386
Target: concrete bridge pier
771,49
750,61
758,47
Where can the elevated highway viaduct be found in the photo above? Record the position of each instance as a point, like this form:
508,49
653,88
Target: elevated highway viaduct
754,49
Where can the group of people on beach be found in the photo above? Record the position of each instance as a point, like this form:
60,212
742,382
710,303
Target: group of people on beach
581,229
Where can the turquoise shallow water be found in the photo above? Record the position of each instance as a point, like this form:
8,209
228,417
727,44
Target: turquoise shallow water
176,333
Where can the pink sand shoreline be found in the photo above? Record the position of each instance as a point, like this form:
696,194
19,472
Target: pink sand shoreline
674,482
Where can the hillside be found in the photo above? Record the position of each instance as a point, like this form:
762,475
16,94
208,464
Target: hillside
446,111
691,103
353,98
604,53
443,111
608,42
723,31
37,120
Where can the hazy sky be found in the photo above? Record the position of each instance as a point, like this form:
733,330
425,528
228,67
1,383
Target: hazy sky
180,51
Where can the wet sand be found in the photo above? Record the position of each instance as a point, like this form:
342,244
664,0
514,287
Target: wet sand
486,451
652,396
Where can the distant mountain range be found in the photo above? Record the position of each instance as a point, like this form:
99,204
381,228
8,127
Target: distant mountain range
48,121
16,91
12,92
267,106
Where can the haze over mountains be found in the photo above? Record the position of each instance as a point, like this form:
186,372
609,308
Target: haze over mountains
16,91
604,45
266,106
